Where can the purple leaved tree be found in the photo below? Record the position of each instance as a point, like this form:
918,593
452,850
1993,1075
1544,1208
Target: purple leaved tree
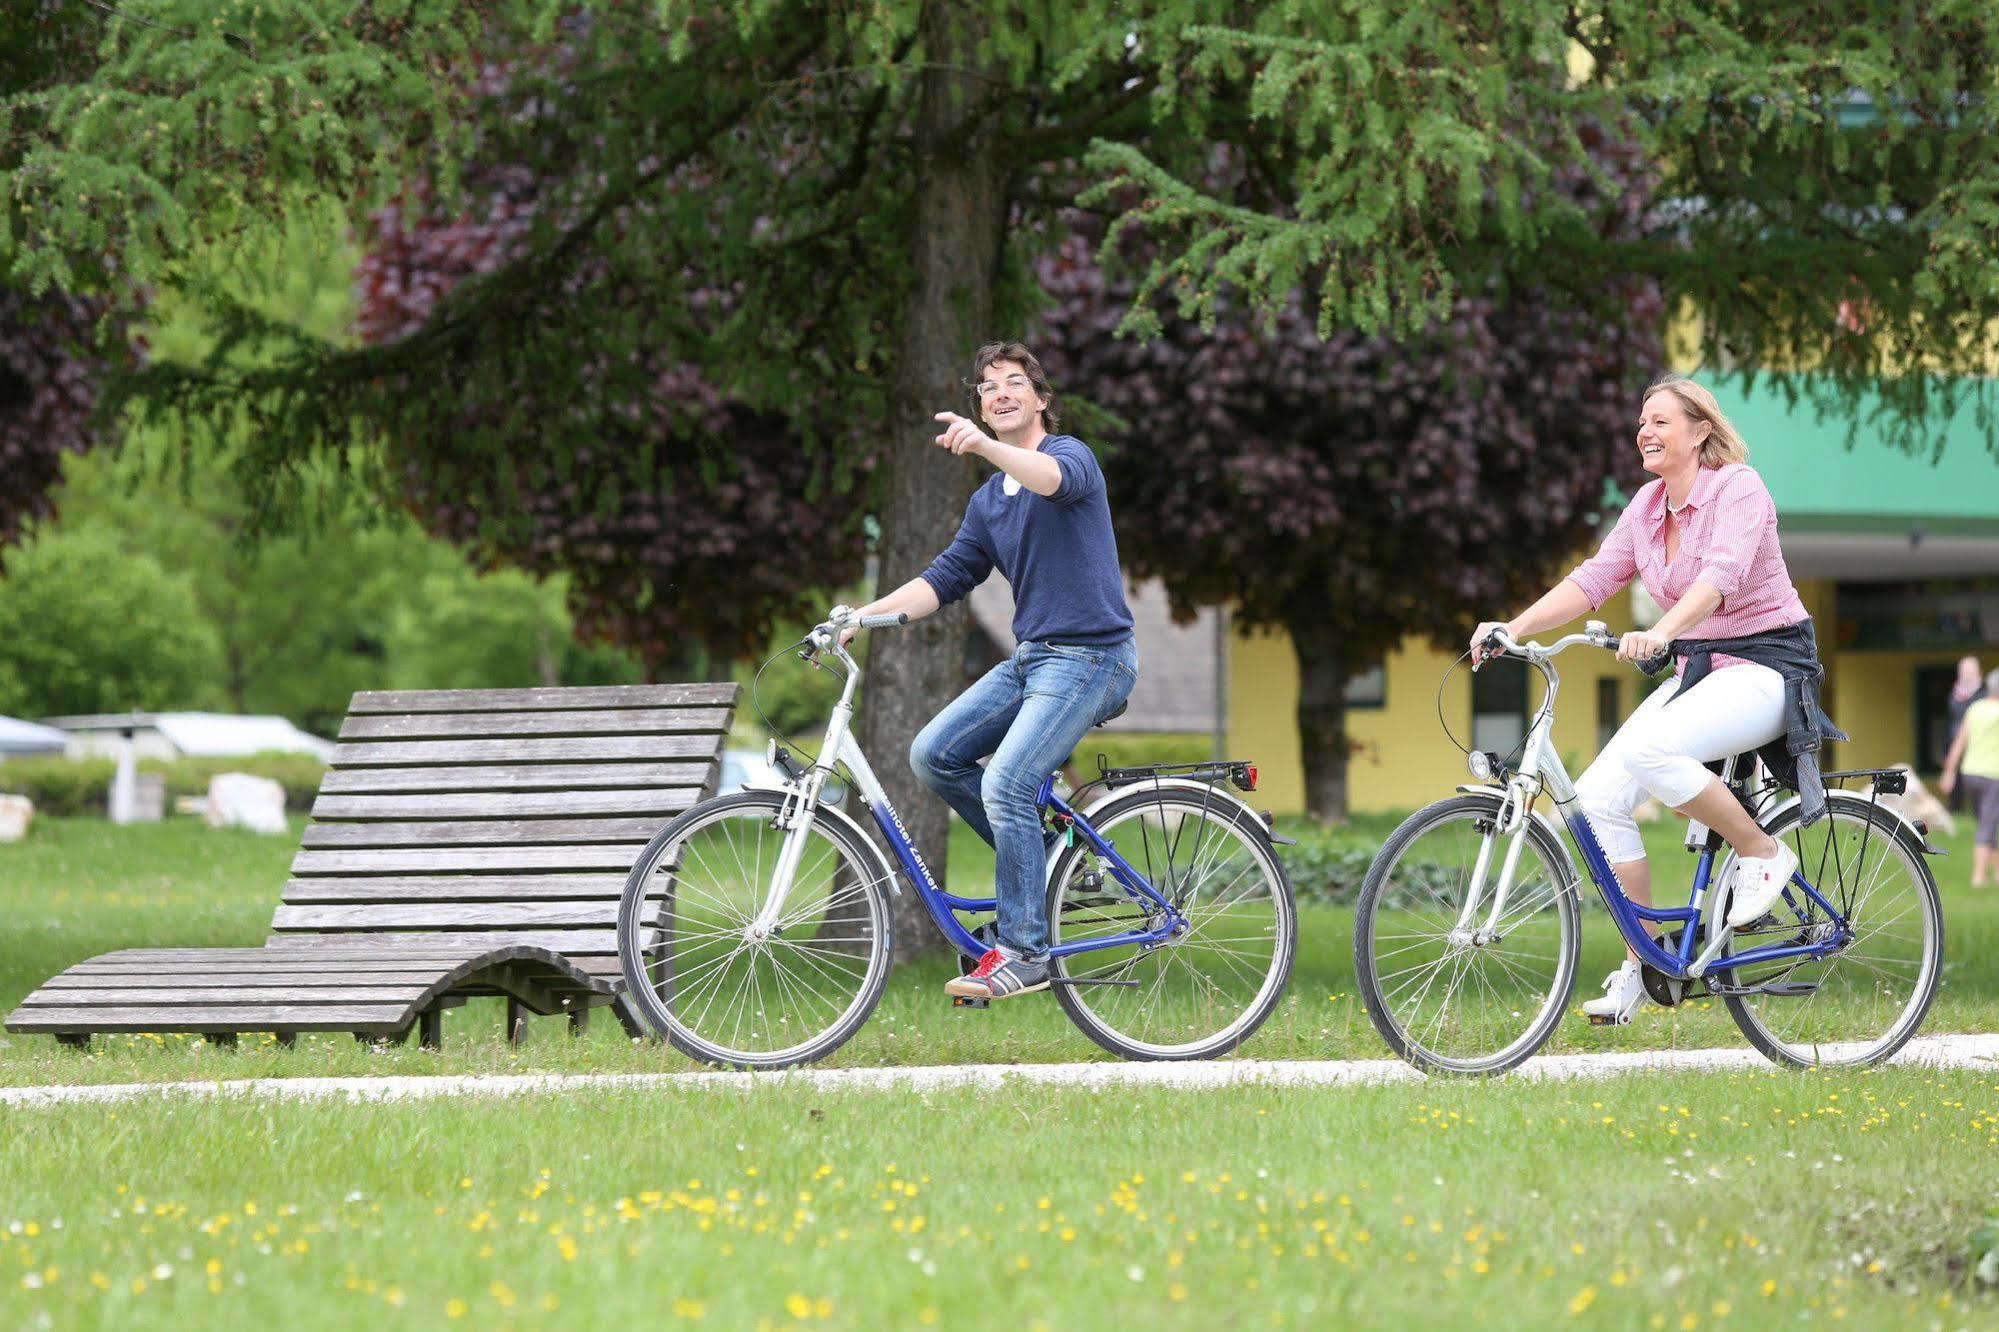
1355,491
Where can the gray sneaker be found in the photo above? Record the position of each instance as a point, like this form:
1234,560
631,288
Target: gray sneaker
999,977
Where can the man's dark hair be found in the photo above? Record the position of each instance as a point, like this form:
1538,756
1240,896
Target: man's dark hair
1018,352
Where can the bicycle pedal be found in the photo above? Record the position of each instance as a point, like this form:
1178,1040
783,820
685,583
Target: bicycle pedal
1608,1020
967,1001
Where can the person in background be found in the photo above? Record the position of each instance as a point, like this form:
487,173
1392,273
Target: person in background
1974,755
1968,689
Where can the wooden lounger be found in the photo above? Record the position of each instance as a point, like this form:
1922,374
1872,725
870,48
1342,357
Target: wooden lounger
464,843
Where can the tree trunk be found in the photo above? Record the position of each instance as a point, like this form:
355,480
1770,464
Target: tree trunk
546,665
1322,718
959,219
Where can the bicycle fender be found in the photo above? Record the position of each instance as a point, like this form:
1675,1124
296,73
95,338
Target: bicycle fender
1548,825
1916,835
1211,791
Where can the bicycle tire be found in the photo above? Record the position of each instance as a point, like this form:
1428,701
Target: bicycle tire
1381,1001
1073,907
1871,825
666,994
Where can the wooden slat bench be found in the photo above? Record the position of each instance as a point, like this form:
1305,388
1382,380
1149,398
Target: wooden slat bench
464,843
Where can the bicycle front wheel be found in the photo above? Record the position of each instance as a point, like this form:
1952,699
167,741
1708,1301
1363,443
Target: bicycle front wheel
723,990
1203,992
1458,999
1861,1004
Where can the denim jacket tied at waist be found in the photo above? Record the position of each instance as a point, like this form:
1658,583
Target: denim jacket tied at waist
1792,652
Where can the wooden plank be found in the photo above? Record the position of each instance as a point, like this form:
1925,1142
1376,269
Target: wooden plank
240,1017
275,959
455,888
556,698
444,915
543,804
485,832
557,777
266,979
569,943
430,753
261,955
473,725
179,996
469,860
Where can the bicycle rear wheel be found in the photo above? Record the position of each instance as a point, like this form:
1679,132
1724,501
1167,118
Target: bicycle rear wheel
1868,999
1443,1000
703,977
1200,994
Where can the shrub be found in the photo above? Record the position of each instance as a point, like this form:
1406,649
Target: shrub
59,785
1129,749
71,787
87,627
299,774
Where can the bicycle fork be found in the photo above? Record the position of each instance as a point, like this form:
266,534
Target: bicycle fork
1512,825
801,800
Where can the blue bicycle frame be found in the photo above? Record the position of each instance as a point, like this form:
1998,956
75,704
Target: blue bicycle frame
1541,769
840,749
943,905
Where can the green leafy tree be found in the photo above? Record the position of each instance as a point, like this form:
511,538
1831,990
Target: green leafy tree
85,626
859,187
1827,176
864,187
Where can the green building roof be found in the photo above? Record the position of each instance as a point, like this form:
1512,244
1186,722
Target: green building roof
1824,480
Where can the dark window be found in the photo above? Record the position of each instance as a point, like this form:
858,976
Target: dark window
1499,706
1369,689
1609,711
1933,684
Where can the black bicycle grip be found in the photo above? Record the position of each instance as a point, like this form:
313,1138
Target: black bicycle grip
884,621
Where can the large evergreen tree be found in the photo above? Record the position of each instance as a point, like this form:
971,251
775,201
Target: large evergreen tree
1828,171
865,185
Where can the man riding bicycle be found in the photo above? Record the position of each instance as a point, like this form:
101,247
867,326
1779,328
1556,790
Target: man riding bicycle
1044,521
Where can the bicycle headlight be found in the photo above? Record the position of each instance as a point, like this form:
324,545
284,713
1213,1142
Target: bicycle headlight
1481,765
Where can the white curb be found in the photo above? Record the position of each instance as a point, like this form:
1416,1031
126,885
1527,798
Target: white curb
1979,1051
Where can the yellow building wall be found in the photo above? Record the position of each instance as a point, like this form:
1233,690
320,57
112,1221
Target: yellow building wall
1402,760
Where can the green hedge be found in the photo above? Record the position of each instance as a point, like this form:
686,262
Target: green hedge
59,785
71,787
1127,749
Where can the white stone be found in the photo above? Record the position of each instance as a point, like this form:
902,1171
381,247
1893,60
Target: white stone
16,813
239,800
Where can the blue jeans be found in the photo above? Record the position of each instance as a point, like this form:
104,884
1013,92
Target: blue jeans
1028,713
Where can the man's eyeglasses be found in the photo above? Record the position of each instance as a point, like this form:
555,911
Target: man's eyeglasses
985,388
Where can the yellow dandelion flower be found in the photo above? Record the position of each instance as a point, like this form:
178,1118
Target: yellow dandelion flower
454,1307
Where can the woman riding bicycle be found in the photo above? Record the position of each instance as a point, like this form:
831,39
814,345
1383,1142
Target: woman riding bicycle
1703,539
1045,522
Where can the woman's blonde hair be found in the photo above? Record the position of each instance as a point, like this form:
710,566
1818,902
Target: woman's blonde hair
1723,443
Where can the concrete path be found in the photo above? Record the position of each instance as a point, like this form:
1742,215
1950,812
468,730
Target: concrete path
1979,1052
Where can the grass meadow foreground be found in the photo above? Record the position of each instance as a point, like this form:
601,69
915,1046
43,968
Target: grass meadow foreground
1652,1201
1649,1201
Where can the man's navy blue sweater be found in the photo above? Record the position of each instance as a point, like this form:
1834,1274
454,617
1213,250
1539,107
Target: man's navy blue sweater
1056,552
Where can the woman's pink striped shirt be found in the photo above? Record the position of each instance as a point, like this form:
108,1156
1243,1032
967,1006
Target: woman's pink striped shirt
1728,540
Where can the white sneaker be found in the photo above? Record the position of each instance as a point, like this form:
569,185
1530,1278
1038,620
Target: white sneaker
1758,885
1623,992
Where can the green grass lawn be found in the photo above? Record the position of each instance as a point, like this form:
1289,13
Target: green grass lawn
78,887
1653,1201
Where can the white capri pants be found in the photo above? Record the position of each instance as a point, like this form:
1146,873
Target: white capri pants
1659,750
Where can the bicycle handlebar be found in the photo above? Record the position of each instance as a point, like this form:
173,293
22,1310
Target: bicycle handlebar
1595,634
826,634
